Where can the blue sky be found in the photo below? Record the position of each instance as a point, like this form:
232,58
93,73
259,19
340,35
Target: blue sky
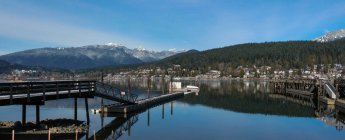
163,24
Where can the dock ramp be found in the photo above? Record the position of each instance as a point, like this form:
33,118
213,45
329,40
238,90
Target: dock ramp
330,90
115,94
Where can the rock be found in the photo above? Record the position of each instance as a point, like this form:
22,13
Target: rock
18,124
42,126
30,125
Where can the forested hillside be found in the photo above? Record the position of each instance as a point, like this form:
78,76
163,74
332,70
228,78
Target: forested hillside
7,67
291,54
278,55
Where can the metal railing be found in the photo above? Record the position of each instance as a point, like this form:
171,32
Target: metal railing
116,94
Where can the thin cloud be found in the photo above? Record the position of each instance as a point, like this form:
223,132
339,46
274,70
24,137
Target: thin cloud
42,30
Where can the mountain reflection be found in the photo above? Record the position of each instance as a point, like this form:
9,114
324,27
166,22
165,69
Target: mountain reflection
247,96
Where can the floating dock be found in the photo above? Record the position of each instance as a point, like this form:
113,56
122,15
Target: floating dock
326,100
143,104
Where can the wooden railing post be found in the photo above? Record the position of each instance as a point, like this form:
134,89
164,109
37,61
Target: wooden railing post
69,88
28,91
57,89
89,86
94,86
44,91
11,93
79,86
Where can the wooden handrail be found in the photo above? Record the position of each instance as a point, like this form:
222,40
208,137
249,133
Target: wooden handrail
13,88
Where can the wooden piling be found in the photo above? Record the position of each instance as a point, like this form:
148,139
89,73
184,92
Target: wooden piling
75,109
87,111
49,134
76,134
37,115
24,114
12,134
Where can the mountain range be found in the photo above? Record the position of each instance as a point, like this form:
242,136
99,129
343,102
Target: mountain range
328,48
85,57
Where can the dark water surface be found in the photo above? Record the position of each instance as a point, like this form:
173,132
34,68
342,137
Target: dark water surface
223,110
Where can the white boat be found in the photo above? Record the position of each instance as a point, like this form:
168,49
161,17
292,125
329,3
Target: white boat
192,88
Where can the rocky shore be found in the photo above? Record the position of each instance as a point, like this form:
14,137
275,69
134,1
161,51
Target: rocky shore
55,126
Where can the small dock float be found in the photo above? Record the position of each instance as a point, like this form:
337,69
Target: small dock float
326,100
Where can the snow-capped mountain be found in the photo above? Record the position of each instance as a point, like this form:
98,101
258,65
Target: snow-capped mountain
149,56
331,36
85,57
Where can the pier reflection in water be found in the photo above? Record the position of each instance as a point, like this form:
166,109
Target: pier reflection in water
229,109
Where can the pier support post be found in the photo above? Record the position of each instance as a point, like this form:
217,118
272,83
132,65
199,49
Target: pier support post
87,111
75,109
171,108
163,113
148,117
37,115
129,127
24,114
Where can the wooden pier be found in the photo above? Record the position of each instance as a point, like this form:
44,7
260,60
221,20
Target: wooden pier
36,93
304,90
311,90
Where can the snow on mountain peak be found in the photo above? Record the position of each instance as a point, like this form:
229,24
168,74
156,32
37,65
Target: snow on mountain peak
60,48
140,48
112,44
331,36
172,50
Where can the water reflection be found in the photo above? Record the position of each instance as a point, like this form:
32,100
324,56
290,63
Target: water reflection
224,109
251,97
122,123
116,128
247,97
331,115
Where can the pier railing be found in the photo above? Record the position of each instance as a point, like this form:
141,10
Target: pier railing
21,90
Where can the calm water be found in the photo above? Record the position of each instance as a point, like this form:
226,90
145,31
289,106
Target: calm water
223,110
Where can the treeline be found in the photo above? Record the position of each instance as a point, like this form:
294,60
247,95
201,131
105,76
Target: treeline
279,55
6,67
